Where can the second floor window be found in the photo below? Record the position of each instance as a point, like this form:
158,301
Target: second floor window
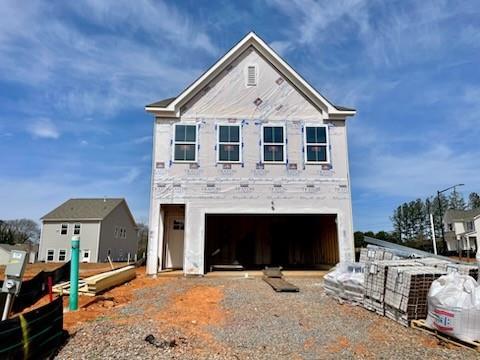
316,144
229,143
469,226
76,229
273,144
185,143
64,229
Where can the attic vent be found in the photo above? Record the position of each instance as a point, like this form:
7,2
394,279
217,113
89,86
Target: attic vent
251,75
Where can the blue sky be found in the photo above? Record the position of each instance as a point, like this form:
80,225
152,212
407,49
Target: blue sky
74,77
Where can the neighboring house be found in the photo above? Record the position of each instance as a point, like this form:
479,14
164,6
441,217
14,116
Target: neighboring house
5,250
462,229
106,228
250,169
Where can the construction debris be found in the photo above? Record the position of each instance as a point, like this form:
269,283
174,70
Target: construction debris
162,344
274,278
96,284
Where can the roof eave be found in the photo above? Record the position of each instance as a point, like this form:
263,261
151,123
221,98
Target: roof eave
161,111
72,219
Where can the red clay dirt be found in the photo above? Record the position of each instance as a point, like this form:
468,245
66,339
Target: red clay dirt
86,269
92,307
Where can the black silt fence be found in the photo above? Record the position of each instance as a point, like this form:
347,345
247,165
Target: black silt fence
33,335
32,290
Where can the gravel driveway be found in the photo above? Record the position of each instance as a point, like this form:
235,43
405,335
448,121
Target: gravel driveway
235,318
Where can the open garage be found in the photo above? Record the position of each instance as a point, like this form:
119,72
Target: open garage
253,241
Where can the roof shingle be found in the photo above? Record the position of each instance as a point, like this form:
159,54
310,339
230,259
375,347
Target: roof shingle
83,209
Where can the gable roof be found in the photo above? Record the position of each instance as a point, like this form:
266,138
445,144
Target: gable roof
84,209
171,106
461,215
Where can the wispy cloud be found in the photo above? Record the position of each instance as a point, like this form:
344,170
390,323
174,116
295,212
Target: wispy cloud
132,175
43,128
416,173
142,140
98,74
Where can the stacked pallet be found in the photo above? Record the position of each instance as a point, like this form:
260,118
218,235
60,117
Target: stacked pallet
449,267
95,284
345,282
372,253
376,273
462,269
406,292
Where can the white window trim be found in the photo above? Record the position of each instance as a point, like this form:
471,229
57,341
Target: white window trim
262,143
79,228
58,255
327,144
247,84
53,257
185,143
240,150
61,227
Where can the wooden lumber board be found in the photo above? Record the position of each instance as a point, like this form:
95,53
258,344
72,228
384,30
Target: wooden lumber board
96,277
111,279
422,326
64,288
280,285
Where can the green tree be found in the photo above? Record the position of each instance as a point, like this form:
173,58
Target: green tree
456,201
409,220
358,239
474,200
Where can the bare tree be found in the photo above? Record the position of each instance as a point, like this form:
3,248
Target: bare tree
24,230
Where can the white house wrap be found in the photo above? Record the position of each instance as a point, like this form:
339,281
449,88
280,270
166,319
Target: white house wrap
250,168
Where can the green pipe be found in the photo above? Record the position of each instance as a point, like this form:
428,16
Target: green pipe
74,264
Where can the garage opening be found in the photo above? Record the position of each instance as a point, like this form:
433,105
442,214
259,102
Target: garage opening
253,241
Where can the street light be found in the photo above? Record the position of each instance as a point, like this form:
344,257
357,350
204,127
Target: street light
441,211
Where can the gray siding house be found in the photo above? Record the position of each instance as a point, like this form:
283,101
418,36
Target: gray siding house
105,226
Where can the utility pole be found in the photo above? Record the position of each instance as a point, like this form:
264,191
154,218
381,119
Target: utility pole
442,229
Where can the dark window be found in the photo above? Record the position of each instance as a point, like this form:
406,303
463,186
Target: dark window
62,255
76,229
273,144
64,229
273,134
185,143
316,144
50,255
185,133
229,143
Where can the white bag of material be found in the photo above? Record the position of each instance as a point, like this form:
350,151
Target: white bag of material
346,281
454,306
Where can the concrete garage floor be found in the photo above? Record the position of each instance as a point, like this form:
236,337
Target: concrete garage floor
236,318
